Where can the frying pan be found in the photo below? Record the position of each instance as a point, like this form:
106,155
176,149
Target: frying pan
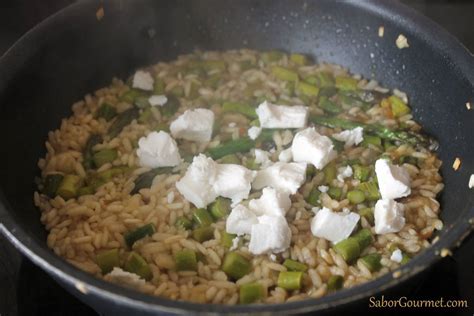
73,53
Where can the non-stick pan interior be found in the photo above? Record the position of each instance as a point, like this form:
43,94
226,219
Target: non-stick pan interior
73,53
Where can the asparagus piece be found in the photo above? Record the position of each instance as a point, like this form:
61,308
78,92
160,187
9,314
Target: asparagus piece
356,196
185,260
220,208
122,120
348,248
293,265
380,131
106,111
372,262
202,217
202,234
235,265
227,239
104,156
51,184
250,293
242,145
68,187
335,283
88,153
183,223
299,59
107,260
241,108
136,264
290,280
145,180
139,233
171,106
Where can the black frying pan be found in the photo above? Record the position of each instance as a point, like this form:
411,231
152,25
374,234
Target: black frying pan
72,53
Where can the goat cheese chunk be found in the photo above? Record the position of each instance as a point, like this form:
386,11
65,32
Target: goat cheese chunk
194,125
240,220
233,182
155,100
333,226
397,256
262,158
272,202
130,280
196,184
394,181
143,80
286,177
309,146
285,155
389,216
344,172
158,149
270,235
282,116
254,132
350,137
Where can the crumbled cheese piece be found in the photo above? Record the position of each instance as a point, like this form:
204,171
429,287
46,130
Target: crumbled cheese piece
471,181
233,182
333,226
196,184
389,216
270,234
272,257
397,256
205,180
456,164
143,80
350,137
131,280
194,125
158,149
235,243
402,42
394,181
285,155
468,105
272,202
309,146
381,31
254,132
323,188
232,124
170,197
262,158
155,100
344,172
286,177
282,116
240,220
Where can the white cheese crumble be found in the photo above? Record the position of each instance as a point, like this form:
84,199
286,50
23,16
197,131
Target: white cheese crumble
394,181
262,158
272,202
240,220
254,132
309,146
285,155
282,116
286,177
350,137
194,125
270,234
401,42
158,149
471,181
344,172
170,197
205,180
389,216
235,243
233,182
323,188
119,276
333,226
196,184
143,80
159,100
397,256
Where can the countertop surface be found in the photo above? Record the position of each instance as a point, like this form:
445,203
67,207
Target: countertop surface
26,290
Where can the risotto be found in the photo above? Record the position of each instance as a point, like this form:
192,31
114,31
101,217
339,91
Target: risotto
240,177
